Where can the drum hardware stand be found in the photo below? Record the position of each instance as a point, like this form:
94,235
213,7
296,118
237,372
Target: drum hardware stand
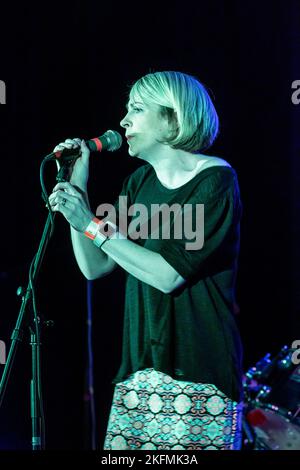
271,426
296,414
249,440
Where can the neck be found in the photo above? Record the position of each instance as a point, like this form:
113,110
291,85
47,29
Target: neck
174,167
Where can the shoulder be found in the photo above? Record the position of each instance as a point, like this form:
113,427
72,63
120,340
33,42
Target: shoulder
208,161
217,179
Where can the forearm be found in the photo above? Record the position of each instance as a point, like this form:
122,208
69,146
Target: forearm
93,263
146,265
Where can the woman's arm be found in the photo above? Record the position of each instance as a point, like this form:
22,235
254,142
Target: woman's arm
92,261
144,264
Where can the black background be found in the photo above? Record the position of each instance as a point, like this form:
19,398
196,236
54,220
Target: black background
67,67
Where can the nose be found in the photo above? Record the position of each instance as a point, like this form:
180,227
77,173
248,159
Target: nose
125,121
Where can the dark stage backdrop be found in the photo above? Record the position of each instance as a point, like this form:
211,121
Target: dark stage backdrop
67,67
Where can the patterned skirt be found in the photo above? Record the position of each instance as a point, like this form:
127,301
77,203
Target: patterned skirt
152,411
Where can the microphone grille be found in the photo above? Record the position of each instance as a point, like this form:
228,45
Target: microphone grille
114,140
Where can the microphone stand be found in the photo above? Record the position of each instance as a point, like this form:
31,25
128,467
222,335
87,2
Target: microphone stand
36,404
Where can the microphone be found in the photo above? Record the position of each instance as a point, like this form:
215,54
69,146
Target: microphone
110,140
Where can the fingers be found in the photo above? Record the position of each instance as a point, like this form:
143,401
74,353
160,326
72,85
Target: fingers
63,191
57,202
72,207
68,187
75,144
60,195
69,144
59,199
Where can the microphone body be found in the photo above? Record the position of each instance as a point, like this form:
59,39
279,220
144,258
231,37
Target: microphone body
110,140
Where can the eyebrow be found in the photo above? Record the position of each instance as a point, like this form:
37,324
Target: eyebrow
128,105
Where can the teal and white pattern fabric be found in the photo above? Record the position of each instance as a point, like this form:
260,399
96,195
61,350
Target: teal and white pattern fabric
153,411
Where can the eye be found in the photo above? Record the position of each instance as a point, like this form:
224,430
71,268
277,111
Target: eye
136,109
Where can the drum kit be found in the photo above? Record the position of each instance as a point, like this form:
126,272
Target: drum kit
272,403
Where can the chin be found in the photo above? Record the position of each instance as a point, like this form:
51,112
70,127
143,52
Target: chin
133,153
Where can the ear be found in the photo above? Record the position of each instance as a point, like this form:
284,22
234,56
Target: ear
169,117
173,124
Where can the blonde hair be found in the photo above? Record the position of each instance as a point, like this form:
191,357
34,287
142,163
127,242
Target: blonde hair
186,103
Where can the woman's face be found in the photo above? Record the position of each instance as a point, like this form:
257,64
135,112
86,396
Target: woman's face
145,127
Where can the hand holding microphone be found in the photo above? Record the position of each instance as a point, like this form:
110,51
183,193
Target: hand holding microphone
110,140
70,198
72,204
78,154
77,151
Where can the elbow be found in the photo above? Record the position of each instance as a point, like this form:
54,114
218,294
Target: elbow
89,276
93,274
170,279
171,285
165,290
160,285
168,289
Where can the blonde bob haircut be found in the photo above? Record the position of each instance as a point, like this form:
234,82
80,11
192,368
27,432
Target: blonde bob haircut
187,105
